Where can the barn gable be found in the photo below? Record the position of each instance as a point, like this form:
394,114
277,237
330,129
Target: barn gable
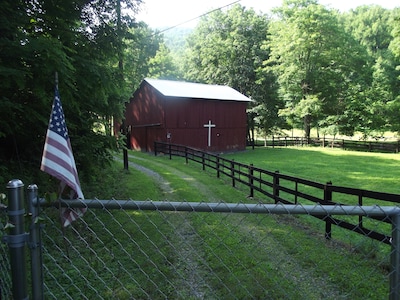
207,117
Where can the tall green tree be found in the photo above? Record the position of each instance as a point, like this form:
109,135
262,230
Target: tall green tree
141,49
372,27
394,47
314,60
162,64
226,48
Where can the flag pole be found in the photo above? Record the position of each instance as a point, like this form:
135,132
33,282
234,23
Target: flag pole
60,189
56,79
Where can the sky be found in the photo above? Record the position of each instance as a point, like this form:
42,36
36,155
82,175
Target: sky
170,13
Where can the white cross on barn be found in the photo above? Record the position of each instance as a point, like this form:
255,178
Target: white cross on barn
209,125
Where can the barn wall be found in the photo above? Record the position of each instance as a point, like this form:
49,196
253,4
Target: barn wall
185,120
145,107
144,117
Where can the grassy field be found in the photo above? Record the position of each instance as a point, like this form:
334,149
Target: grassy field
221,256
370,171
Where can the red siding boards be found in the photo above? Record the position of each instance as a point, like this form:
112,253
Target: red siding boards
151,116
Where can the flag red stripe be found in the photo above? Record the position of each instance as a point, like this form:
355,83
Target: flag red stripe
58,161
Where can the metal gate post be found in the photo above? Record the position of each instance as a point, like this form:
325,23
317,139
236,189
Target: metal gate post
16,239
394,276
35,243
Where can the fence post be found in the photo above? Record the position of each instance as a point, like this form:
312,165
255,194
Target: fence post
251,180
218,165
125,154
233,172
328,198
203,161
276,186
360,203
17,238
394,276
35,243
169,150
186,155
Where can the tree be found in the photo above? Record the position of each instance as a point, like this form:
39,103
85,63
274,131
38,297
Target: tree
313,71
371,26
394,47
162,65
141,48
226,48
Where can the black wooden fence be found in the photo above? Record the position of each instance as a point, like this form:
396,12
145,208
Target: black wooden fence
287,189
357,145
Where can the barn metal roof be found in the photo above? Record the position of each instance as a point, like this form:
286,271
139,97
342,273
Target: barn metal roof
181,89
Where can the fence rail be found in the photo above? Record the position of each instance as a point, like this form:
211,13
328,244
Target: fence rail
287,189
223,207
358,145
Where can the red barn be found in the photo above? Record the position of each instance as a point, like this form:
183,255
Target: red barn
207,117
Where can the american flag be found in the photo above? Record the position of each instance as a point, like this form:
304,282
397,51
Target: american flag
58,159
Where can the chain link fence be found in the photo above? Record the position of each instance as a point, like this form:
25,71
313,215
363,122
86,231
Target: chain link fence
182,250
5,271
199,250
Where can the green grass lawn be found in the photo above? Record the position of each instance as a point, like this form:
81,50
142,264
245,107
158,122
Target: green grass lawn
371,171
158,255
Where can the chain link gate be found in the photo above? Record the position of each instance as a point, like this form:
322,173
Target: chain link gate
125,249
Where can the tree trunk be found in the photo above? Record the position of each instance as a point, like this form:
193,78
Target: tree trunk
307,127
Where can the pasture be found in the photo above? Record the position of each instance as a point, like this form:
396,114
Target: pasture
371,171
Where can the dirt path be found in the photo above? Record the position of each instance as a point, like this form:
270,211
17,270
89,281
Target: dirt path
164,184
192,280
